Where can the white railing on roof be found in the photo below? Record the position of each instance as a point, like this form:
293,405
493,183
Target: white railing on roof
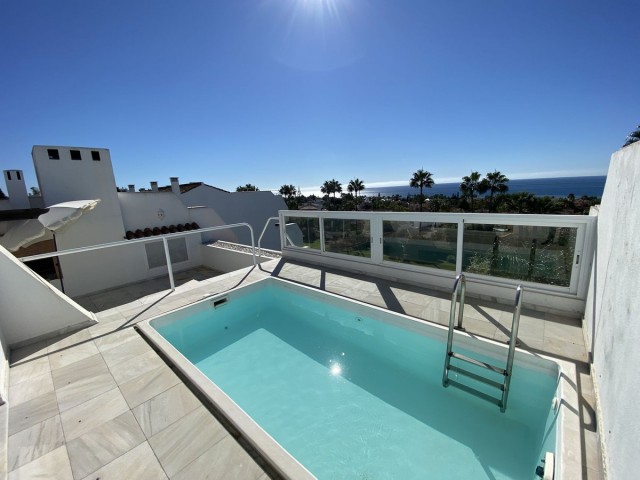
164,239
550,254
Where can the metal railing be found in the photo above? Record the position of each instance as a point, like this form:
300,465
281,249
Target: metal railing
505,372
264,229
163,238
546,253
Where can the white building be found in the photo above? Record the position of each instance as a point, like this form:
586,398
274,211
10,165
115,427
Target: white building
77,173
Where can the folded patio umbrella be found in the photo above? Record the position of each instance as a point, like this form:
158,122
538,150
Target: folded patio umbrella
57,219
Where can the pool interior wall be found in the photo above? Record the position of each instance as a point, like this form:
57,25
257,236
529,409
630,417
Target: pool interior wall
353,391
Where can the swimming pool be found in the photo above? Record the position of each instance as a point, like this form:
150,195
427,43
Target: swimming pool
338,389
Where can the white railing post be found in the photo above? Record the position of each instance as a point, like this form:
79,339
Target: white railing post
169,268
460,246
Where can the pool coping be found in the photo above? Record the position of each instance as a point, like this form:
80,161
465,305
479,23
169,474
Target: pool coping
568,444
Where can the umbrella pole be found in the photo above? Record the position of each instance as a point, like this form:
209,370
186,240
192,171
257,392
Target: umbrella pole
55,246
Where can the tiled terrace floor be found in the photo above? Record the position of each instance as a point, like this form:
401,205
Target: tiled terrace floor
100,403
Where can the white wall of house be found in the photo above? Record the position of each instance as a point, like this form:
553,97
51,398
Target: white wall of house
152,209
253,208
208,217
16,189
613,311
65,180
31,307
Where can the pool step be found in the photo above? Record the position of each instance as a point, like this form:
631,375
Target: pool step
459,286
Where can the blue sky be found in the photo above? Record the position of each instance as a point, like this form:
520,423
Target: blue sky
300,91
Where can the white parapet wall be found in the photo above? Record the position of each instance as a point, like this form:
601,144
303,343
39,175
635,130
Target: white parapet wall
228,260
31,308
612,314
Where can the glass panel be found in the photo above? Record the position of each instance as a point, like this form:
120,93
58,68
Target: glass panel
303,232
417,243
351,237
521,252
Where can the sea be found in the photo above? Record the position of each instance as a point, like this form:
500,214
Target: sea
592,186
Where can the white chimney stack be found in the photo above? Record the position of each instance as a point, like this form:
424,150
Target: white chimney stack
132,187
16,189
154,186
175,185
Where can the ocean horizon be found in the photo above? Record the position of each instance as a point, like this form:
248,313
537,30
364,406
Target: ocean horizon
592,186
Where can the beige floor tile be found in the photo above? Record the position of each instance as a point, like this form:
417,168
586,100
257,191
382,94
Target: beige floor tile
28,369
140,463
115,338
32,443
569,333
162,410
127,350
130,369
80,371
91,414
69,355
185,440
103,444
68,340
32,412
29,352
148,385
36,386
79,392
224,460
53,465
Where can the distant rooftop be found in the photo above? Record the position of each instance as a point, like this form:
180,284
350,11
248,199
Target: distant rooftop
186,187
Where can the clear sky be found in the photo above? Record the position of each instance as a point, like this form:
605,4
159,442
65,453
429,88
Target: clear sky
275,92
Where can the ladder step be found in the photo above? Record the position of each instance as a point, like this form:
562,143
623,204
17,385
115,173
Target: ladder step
475,392
475,376
478,363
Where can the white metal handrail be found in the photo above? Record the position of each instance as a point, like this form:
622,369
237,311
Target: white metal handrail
163,238
264,229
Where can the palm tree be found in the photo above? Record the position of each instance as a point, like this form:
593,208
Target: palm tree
521,202
421,179
356,185
288,191
247,188
496,182
331,187
472,184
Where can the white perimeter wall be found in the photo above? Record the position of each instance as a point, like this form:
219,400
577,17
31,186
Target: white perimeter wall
30,307
234,207
612,317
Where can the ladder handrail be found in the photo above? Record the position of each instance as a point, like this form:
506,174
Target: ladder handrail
515,325
459,285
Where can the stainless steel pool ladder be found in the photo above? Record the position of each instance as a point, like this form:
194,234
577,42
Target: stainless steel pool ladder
505,372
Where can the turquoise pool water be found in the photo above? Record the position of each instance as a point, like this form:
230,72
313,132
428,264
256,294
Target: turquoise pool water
351,396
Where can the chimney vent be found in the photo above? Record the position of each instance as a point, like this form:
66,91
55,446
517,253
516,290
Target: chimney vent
175,185
132,187
154,186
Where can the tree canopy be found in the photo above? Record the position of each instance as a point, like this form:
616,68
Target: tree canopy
472,184
247,188
633,137
421,179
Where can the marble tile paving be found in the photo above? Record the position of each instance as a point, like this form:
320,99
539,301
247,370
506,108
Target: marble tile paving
101,403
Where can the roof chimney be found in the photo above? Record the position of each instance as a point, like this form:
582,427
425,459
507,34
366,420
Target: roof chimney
16,189
132,187
154,186
175,185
